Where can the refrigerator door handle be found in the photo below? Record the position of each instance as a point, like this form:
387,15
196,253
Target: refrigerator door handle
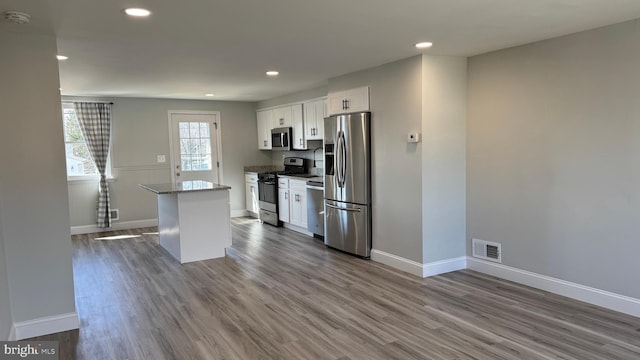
341,163
339,159
344,209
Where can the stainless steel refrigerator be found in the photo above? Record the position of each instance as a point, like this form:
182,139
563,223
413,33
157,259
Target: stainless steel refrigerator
347,183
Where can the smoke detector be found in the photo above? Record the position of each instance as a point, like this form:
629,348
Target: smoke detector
17,17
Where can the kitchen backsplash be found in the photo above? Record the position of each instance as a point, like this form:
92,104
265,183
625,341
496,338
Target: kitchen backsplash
278,156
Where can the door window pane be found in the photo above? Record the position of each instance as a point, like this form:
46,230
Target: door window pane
195,146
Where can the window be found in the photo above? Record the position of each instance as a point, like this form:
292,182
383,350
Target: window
79,161
195,146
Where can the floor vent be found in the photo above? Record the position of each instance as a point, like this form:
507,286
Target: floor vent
115,214
487,250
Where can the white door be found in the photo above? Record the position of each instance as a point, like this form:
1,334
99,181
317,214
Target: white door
196,153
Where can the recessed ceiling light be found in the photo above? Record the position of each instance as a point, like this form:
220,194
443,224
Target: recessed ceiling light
61,57
208,94
139,12
272,73
424,45
17,17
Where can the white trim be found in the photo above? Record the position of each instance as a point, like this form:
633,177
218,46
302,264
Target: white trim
12,333
46,325
301,102
218,131
297,229
121,225
239,213
395,261
444,266
416,268
606,299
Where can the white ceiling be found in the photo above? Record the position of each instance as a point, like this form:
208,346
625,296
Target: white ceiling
191,47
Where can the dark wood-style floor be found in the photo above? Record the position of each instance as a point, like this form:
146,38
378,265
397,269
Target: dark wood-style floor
281,295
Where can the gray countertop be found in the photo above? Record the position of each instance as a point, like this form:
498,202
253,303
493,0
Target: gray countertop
262,168
184,186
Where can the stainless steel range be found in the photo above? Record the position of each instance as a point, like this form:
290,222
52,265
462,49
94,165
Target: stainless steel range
268,189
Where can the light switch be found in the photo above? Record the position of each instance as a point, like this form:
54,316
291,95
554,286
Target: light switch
161,159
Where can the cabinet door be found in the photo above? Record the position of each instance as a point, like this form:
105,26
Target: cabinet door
265,124
309,120
298,211
314,120
251,191
283,205
335,103
358,99
298,139
321,113
353,100
282,117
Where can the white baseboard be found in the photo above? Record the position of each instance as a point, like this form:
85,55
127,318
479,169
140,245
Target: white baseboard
118,225
416,268
12,333
606,299
239,213
395,261
46,325
444,266
297,229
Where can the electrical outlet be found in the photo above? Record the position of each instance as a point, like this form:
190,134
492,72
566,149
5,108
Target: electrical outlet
161,159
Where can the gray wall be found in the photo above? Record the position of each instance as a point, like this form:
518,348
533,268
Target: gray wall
6,320
396,106
141,131
35,216
444,90
554,156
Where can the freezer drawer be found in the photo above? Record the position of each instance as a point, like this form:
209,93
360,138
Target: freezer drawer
347,227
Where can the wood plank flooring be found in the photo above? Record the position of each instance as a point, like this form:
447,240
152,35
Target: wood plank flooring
282,295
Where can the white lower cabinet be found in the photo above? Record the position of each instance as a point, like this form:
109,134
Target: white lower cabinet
251,193
292,202
298,203
283,205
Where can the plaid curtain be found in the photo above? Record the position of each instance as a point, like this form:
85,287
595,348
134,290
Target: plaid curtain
95,122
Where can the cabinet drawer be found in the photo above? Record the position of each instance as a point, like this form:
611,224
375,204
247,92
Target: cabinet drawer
297,184
283,183
250,177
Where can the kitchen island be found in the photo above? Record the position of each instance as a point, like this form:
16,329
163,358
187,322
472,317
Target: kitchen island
194,219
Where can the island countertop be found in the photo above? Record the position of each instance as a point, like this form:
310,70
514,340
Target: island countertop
184,186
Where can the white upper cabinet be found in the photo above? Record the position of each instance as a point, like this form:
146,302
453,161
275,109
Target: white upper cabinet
265,124
314,114
282,117
354,100
297,138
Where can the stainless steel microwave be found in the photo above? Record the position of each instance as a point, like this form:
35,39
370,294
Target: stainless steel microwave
281,139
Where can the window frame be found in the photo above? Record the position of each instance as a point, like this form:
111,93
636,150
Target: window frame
85,178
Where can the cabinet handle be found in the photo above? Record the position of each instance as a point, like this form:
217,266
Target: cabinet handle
286,196
345,104
265,143
281,121
300,141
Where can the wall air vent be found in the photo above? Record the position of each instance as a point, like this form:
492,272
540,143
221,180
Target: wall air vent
487,250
